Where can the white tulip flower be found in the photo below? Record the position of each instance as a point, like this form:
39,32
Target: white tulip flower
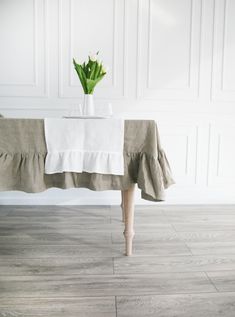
90,72
105,69
93,57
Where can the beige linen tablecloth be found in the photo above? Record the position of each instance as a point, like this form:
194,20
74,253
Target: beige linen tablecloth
23,151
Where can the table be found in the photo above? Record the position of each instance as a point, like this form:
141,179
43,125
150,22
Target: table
23,151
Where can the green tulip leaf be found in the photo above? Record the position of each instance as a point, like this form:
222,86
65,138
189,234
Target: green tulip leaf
89,74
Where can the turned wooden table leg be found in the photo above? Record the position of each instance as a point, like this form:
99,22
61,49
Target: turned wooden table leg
128,201
122,206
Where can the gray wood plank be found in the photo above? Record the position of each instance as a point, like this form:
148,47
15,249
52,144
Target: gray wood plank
56,266
186,237
189,227
212,247
57,238
144,218
55,220
151,210
53,211
207,236
91,249
42,251
224,281
56,208
3,212
197,209
156,264
151,249
202,219
6,229
151,237
193,305
103,285
58,307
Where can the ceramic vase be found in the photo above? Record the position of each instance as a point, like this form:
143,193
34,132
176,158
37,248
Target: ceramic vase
88,105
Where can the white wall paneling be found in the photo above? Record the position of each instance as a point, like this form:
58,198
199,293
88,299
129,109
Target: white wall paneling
168,49
221,158
23,54
170,60
180,143
223,80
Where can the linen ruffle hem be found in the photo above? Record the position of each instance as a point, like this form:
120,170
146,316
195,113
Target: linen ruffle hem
22,163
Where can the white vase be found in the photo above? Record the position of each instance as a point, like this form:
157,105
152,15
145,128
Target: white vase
88,105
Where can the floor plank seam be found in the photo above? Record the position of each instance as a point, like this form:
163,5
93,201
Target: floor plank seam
116,305
117,295
104,274
113,265
113,296
173,227
210,280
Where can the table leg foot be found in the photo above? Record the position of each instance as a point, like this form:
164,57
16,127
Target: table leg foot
128,201
128,242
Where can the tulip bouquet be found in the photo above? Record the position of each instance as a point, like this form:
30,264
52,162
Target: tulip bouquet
90,73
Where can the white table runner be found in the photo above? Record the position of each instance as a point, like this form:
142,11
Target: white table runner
84,145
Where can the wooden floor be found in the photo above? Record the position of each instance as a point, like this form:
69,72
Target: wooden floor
68,261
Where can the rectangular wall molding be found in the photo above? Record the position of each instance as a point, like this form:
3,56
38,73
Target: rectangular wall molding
169,40
24,54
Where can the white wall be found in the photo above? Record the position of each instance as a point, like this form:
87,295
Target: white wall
170,60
